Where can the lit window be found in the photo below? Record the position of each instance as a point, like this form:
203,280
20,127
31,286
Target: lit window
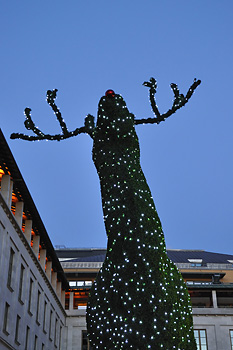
80,299
201,339
189,282
67,300
231,336
80,283
72,283
196,262
88,283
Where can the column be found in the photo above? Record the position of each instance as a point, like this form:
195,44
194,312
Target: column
28,230
10,194
49,269
5,187
36,242
54,280
214,297
71,306
59,290
63,297
19,213
43,258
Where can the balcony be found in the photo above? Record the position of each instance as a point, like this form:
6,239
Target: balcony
210,295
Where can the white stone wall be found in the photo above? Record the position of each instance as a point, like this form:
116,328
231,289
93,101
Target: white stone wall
11,237
217,322
75,325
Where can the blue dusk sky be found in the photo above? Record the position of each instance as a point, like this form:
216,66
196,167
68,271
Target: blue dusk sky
83,48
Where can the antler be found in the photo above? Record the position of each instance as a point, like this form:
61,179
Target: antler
88,127
179,101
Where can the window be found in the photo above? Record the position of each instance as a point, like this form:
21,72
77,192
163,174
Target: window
80,283
5,321
55,335
225,298
38,307
60,335
50,324
72,284
30,296
198,283
196,262
27,338
44,319
201,298
80,299
35,342
17,329
10,269
67,300
21,282
231,337
85,342
201,339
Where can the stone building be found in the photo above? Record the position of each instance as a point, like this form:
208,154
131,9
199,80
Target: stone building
33,284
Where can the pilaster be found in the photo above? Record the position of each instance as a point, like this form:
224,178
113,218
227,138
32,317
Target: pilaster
19,212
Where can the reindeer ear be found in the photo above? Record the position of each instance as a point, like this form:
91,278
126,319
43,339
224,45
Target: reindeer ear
147,83
152,84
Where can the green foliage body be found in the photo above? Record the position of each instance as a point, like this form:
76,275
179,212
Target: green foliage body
139,300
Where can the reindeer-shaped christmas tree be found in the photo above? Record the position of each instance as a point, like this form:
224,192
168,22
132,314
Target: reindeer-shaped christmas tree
139,300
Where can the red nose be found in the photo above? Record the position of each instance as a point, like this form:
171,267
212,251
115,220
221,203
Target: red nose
110,93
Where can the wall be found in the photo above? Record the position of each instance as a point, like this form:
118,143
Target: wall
47,331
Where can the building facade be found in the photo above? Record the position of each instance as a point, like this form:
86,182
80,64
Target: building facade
33,284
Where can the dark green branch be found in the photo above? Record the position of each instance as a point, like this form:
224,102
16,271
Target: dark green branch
179,101
88,128
51,96
57,137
